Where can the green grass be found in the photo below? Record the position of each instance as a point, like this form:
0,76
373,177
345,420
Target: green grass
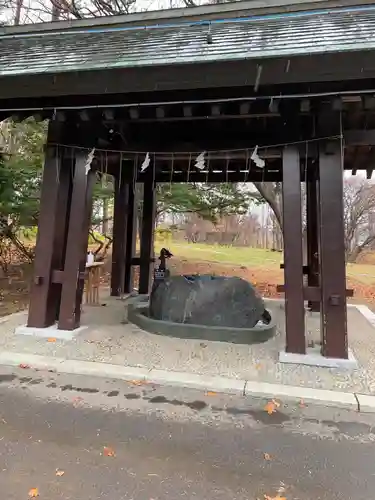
240,256
237,256
251,257
365,273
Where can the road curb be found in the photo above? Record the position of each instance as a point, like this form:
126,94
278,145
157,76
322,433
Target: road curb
366,403
303,393
188,380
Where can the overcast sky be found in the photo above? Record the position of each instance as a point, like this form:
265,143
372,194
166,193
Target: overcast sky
33,9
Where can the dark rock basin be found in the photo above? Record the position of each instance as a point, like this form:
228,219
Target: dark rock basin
207,300
205,307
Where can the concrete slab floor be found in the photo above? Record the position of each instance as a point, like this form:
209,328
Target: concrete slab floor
313,357
49,332
108,339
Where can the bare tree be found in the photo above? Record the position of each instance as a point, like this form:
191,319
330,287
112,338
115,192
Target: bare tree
271,193
21,11
24,11
359,213
359,210
17,12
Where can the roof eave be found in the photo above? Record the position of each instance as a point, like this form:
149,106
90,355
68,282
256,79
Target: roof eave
205,12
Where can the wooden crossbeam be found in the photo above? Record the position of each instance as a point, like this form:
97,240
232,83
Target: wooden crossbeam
312,293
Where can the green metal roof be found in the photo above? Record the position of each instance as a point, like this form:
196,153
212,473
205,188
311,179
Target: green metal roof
256,37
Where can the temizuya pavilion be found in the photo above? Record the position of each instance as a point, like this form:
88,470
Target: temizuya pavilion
295,79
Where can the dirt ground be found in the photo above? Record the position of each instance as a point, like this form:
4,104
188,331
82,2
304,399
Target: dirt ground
14,288
265,280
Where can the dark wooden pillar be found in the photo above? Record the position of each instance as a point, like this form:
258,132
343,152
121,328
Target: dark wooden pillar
147,236
51,226
91,179
120,219
77,242
56,182
332,253
293,255
62,222
312,232
131,228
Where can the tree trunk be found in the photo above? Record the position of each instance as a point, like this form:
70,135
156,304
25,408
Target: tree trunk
105,206
105,217
270,194
56,11
17,13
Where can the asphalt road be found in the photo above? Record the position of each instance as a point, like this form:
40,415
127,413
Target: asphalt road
174,443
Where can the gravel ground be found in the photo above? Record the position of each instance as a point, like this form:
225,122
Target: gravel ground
107,339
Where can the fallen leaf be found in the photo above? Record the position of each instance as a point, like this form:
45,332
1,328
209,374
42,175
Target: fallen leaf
211,393
267,456
109,452
270,408
51,339
137,382
277,497
24,366
59,472
33,493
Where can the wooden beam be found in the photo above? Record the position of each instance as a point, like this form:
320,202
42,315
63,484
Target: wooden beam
147,235
91,179
368,102
245,108
109,114
42,309
77,242
293,259
160,112
313,278
305,269
332,69
62,223
332,254
312,293
234,138
131,225
273,106
359,137
231,176
119,234
205,117
188,111
134,113
305,106
136,261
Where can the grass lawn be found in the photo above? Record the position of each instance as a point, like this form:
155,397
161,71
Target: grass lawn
252,258
365,273
240,256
